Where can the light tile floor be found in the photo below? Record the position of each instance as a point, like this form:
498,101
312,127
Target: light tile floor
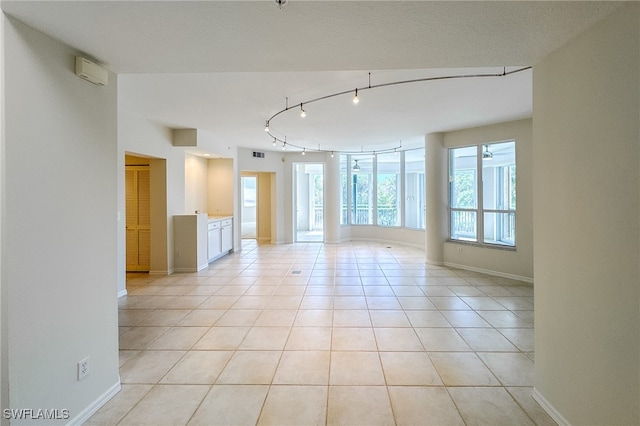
307,334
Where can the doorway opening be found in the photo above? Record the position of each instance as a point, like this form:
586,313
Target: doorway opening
138,215
249,197
308,202
146,246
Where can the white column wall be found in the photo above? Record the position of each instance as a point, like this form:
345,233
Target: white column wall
4,372
587,237
332,198
436,187
59,229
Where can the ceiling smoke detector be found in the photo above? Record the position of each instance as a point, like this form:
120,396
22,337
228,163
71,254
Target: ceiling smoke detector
281,3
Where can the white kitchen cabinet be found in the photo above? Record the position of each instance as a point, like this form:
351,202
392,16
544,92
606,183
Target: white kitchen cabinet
226,227
219,236
214,240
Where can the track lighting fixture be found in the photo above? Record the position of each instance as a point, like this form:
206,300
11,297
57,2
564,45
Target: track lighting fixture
487,155
304,151
331,154
356,167
284,146
274,142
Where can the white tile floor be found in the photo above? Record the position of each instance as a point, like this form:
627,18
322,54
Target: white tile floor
307,334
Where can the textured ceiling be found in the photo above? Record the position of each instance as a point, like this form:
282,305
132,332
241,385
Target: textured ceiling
226,66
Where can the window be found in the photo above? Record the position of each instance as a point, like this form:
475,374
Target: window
499,194
463,195
414,205
344,190
249,191
385,190
482,193
388,189
362,187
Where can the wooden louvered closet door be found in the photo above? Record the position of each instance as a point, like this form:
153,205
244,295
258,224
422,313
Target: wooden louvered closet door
137,191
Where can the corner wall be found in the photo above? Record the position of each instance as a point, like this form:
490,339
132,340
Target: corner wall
140,137
221,187
587,235
4,373
196,171
59,229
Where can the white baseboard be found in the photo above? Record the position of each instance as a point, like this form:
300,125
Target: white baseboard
160,272
435,262
89,411
489,272
182,270
122,293
550,409
383,241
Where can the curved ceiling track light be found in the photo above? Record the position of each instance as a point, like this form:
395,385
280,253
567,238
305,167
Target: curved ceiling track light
303,113
356,167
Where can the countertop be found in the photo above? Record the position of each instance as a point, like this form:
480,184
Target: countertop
220,216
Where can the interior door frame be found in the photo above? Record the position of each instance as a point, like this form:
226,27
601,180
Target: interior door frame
295,200
256,176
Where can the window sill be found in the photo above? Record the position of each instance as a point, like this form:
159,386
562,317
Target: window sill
481,245
385,227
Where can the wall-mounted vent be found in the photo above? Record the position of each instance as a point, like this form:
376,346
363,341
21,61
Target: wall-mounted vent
257,154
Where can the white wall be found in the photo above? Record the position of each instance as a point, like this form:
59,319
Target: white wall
332,198
4,373
587,236
221,186
437,198
196,170
519,263
404,236
59,228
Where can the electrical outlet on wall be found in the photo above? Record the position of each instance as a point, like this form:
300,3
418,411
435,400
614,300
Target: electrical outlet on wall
83,368
459,250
